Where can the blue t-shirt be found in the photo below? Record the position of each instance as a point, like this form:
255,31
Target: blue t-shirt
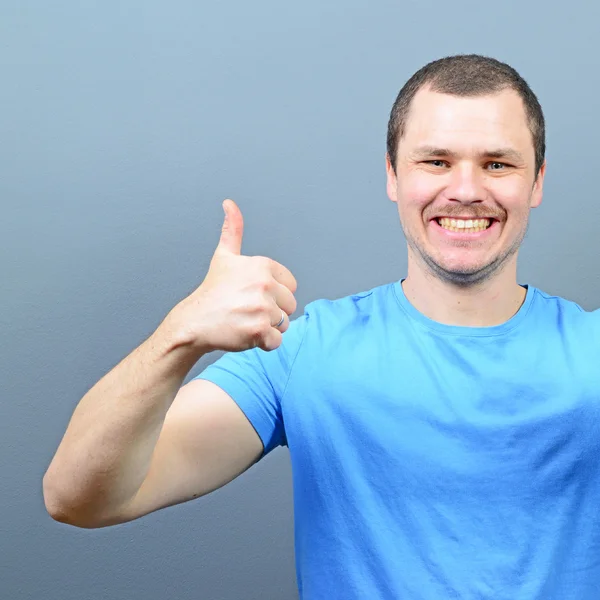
432,461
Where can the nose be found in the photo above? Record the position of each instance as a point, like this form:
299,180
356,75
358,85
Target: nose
465,184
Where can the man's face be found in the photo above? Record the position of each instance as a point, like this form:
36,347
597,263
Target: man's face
463,159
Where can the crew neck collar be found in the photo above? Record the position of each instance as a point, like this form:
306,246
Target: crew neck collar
493,330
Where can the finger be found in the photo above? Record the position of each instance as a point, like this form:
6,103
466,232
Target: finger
233,228
278,315
284,299
271,340
284,276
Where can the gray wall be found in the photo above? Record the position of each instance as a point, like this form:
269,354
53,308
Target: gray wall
123,126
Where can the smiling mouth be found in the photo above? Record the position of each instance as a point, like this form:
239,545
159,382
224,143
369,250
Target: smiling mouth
464,225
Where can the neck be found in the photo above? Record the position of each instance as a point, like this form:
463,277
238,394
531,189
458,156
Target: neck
490,303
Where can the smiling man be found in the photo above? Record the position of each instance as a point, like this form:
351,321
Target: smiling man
443,429
465,165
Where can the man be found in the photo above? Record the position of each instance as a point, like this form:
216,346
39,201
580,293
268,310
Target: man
443,429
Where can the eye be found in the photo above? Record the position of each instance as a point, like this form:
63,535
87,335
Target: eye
497,166
437,162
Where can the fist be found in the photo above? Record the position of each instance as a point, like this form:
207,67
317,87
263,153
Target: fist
242,298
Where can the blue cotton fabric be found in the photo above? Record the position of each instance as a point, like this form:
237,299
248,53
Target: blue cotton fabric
432,461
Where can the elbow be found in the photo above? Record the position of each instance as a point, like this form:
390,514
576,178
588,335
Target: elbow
56,507
63,511
51,500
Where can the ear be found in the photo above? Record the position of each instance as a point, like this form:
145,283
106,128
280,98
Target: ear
538,187
391,179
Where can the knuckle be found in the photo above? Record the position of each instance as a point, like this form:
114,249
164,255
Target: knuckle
259,327
257,303
264,283
262,263
256,306
255,337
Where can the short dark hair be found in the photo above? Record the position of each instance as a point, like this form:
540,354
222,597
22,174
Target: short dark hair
467,75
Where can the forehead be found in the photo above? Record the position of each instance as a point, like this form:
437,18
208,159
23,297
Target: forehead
459,122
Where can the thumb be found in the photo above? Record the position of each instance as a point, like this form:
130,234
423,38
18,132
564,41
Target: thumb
233,228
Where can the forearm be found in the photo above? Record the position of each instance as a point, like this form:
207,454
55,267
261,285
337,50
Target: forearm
106,450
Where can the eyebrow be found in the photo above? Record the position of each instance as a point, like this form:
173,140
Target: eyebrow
505,153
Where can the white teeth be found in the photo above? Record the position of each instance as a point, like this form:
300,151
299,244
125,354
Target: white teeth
466,225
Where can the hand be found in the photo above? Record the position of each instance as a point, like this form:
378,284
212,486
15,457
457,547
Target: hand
241,298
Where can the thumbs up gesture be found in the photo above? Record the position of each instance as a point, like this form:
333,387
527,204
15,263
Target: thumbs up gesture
242,298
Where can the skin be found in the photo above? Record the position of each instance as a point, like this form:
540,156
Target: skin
446,166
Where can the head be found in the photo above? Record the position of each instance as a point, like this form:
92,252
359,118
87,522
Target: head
466,141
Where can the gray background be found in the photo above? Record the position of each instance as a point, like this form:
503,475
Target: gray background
123,125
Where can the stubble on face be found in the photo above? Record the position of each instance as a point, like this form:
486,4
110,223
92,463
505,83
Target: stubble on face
467,126
464,277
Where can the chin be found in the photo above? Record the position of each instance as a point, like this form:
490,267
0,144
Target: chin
462,273
460,263
462,268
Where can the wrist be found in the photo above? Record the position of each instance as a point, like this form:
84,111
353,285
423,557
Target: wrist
176,335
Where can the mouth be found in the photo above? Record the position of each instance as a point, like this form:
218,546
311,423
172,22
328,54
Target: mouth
464,225
464,228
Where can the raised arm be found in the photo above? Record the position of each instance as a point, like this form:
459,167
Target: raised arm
139,441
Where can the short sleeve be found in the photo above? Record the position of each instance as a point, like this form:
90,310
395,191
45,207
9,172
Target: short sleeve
257,380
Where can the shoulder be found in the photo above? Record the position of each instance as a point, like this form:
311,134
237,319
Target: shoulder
569,314
347,320
358,306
